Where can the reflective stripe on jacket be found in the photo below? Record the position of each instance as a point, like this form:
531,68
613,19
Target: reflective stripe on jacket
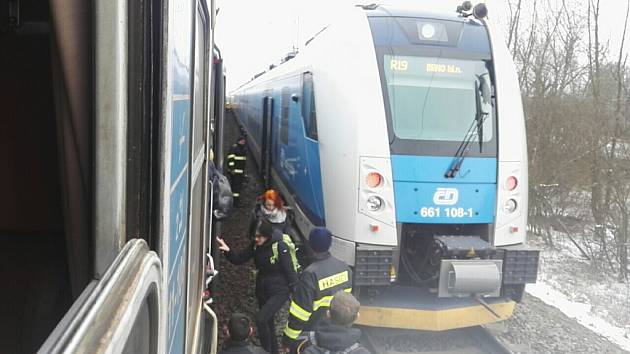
237,159
313,293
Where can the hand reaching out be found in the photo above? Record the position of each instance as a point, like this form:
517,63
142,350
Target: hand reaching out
222,245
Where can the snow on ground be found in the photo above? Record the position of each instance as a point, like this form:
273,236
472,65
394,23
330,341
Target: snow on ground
595,299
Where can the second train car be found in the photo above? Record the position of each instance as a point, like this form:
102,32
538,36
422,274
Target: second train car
402,132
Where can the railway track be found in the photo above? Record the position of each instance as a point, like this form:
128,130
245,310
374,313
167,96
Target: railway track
474,340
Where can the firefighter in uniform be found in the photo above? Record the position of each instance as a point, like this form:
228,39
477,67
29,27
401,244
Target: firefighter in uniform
315,289
237,159
276,267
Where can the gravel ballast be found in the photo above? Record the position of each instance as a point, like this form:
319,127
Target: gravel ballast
537,327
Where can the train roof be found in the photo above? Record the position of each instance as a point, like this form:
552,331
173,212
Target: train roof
373,11
396,11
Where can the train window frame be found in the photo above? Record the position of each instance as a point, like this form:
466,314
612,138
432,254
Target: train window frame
198,186
144,84
309,112
200,97
284,115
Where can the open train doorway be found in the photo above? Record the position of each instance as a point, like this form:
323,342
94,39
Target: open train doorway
45,167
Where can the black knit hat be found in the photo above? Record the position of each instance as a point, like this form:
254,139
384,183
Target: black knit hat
238,326
264,228
320,239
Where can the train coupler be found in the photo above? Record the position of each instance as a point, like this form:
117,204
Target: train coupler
468,268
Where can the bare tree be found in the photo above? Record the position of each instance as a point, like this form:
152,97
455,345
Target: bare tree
577,116
621,188
513,24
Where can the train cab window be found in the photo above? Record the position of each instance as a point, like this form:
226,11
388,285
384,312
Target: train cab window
308,106
284,116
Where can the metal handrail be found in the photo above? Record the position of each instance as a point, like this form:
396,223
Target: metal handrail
103,316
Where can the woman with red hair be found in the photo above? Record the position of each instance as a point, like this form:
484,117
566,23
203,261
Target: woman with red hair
270,208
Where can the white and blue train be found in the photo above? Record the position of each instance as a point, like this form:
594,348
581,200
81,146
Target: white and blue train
403,133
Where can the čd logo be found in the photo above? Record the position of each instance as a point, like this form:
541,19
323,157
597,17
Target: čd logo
445,196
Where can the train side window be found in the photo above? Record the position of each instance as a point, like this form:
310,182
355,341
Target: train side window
308,106
284,116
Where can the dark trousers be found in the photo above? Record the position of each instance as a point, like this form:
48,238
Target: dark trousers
236,181
265,321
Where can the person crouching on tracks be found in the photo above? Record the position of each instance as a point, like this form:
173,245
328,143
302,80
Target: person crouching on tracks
239,330
318,283
334,334
276,275
269,208
237,160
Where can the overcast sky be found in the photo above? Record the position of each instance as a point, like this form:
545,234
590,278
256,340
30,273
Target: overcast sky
253,34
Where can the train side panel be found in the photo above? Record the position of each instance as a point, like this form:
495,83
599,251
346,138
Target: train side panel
510,229
295,156
351,124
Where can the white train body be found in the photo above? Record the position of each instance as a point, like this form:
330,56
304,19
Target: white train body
359,70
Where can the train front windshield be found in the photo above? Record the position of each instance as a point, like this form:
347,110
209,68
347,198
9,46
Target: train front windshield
434,99
437,82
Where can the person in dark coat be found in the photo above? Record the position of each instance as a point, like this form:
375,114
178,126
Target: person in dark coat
274,279
335,334
236,162
239,331
313,293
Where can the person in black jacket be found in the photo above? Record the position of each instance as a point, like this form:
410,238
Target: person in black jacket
237,160
273,281
239,331
313,293
334,334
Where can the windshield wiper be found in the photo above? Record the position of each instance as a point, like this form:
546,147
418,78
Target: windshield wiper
460,154
480,115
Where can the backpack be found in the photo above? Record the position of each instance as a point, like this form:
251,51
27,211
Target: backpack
292,252
309,346
222,198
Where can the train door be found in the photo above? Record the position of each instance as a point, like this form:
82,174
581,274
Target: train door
215,152
187,142
201,140
266,153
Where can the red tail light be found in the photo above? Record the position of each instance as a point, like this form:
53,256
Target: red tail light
511,183
373,179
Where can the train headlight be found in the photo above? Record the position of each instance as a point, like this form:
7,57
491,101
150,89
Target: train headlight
427,30
510,206
374,203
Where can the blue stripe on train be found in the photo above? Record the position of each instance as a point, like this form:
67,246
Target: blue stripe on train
423,195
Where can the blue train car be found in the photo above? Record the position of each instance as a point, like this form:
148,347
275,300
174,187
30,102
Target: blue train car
106,137
402,131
